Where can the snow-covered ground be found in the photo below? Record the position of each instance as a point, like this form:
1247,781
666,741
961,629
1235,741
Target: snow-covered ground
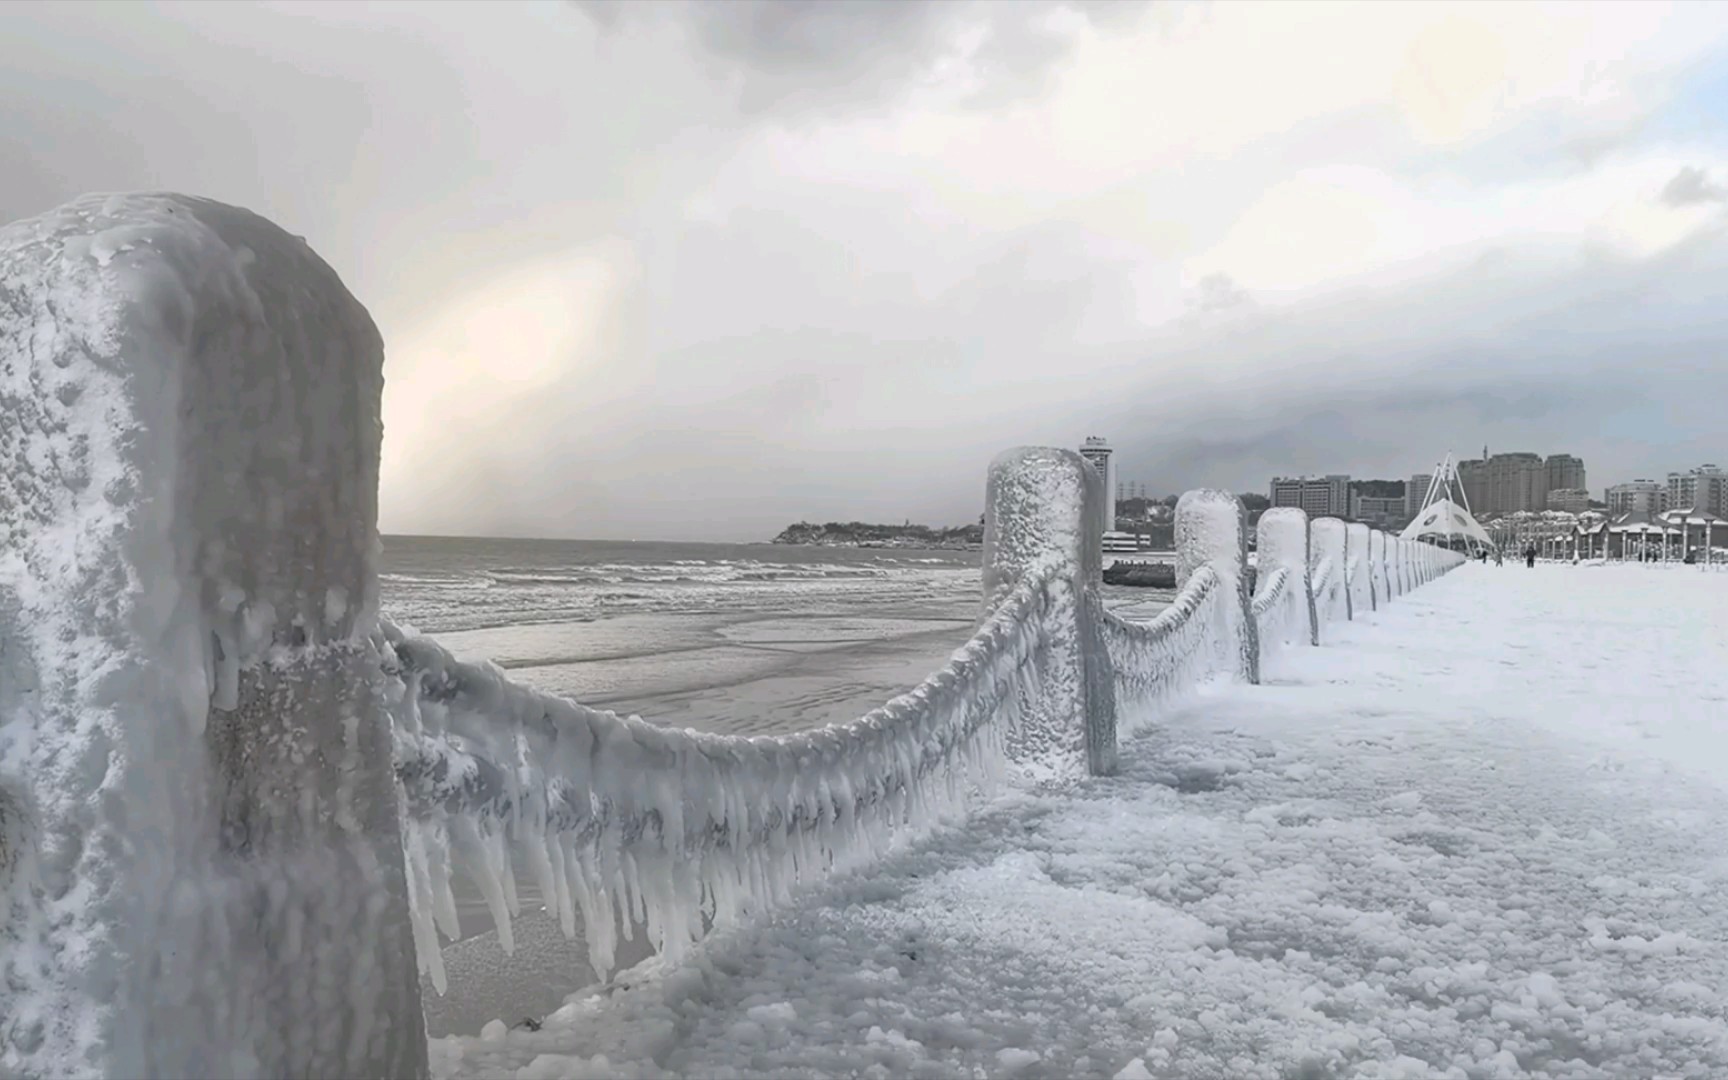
1477,834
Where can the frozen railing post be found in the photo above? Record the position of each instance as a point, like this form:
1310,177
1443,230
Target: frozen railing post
1282,539
1358,556
1044,515
1329,546
190,696
1212,530
1376,568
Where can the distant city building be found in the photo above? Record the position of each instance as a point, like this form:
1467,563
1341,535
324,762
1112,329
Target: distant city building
1509,483
1320,496
1382,512
1704,488
1565,473
1637,497
1097,451
1571,500
1414,492
1505,483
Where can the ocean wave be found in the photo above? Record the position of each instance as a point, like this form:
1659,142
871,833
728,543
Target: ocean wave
684,572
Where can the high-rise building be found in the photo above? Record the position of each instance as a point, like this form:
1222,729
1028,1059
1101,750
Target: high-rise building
1570,500
1414,492
1704,488
1320,496
1505,483
1097,451
1565,472
1636,497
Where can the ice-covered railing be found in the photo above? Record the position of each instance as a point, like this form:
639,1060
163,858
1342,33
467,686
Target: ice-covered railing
1208,629
627,823
231,796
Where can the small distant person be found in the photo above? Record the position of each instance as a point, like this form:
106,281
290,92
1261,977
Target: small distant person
1530,556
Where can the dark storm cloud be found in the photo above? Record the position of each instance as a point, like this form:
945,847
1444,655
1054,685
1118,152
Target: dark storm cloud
1692,185
1611,359
799,56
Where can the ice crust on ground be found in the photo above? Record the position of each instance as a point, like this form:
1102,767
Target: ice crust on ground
1454,842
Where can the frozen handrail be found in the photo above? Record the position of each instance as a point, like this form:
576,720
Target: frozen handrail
1270,591
628,821
1155,661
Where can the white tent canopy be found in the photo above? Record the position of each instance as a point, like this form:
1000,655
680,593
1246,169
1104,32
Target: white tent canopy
1444,519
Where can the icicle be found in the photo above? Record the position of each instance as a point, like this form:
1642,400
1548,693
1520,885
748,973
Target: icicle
429,957
435,837
473,851
560,886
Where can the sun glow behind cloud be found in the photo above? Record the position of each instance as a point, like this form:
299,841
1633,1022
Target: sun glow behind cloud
459,381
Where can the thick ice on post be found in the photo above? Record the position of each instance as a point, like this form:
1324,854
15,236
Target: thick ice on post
210,882
1043,520
1284,600
1327,558
1212,531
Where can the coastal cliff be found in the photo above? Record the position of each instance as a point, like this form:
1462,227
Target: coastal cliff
860,534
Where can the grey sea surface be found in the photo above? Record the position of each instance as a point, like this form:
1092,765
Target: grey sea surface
754,639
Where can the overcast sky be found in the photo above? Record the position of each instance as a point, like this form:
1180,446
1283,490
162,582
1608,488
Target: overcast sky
695,272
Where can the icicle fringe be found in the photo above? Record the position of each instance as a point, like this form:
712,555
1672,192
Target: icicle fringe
627,826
